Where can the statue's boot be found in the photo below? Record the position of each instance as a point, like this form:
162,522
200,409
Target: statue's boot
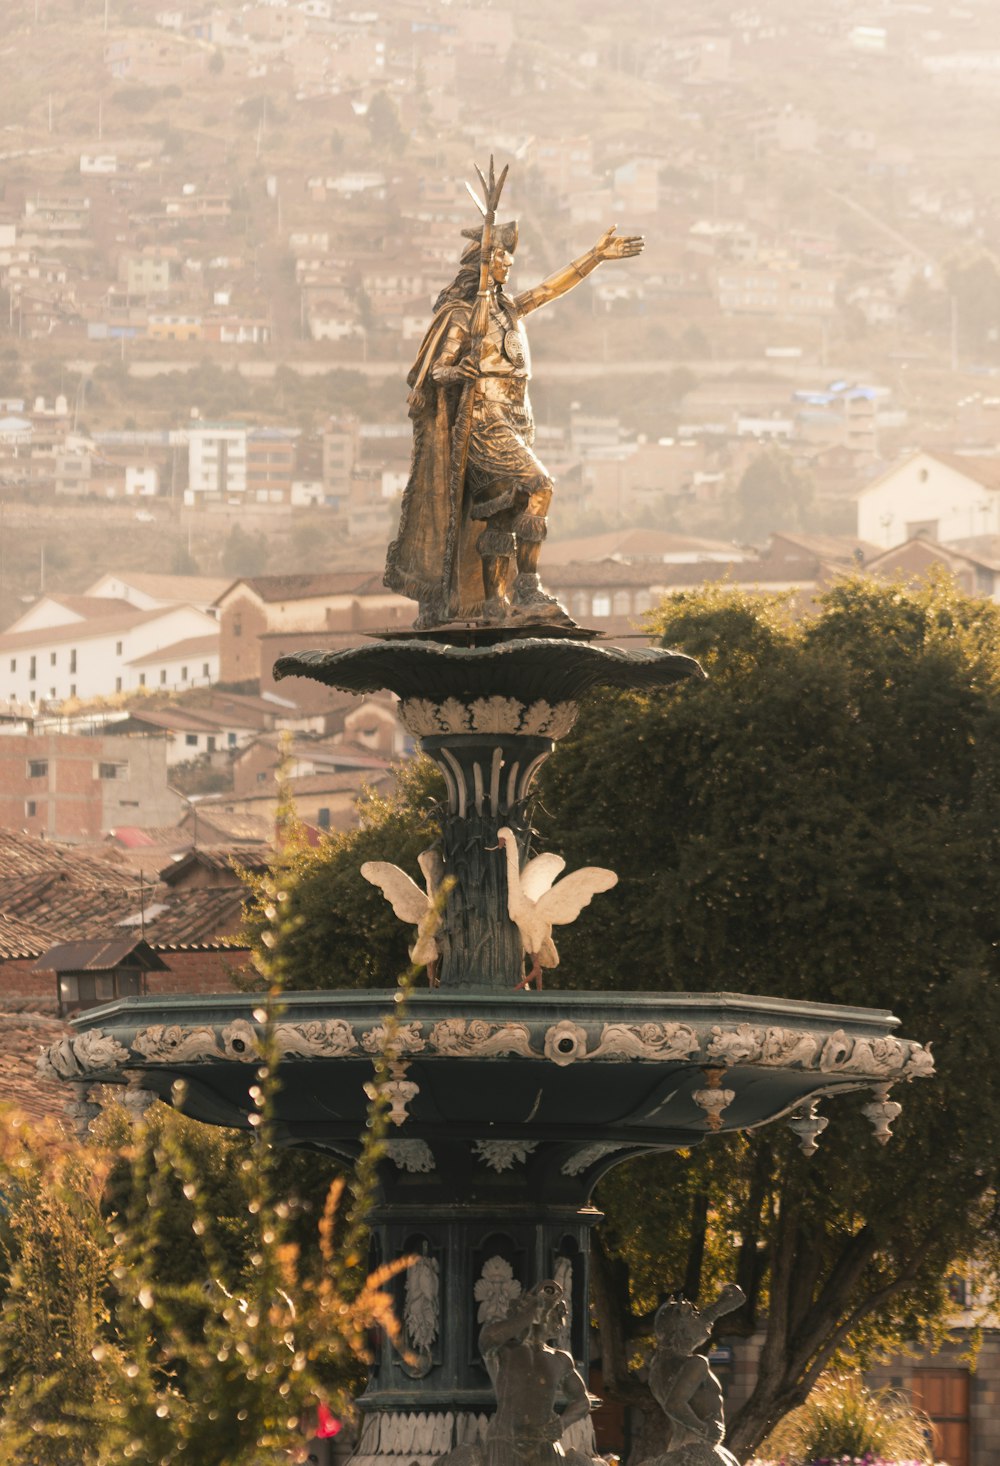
496,606
528,597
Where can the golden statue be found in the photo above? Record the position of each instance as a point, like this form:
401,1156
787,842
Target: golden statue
474,511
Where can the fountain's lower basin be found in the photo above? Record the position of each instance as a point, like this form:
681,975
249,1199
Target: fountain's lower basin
506,1110
571,1069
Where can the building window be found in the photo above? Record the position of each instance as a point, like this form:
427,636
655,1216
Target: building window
601,604
38,768
31,669
52,659
204,670
581,603
118,648
163,676
72,659
643,601
323,818
118,684
622,603
13,664
30,808
210,742
72,689
191,739
184,674
237,629
231,739
142,679
112,771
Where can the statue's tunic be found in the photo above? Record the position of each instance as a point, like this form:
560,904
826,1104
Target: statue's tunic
466,499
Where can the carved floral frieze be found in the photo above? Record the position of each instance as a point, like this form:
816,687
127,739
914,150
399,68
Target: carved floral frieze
561,1043
426,719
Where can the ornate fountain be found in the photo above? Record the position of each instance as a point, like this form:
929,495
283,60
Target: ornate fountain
506,1107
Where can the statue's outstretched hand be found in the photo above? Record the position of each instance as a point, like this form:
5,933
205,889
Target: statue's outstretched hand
613,246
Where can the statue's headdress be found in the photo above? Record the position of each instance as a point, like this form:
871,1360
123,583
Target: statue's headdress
504,235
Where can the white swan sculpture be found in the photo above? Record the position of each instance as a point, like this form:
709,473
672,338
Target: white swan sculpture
536,902
412,905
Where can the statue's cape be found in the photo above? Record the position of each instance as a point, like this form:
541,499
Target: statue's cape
433,558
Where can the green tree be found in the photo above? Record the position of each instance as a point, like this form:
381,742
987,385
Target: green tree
772,495
384,126
820,820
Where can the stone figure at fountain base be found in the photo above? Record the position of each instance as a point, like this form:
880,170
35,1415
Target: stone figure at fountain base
683,1385
529,1378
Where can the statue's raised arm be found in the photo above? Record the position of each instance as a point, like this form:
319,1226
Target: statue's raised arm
683,1385
475,509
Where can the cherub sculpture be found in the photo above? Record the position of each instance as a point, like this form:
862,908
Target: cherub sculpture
530,1377
683,1385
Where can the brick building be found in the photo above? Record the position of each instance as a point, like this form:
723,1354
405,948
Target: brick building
341,601
73,787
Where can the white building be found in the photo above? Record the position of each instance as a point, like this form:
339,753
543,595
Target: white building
217,463
92,653
937,496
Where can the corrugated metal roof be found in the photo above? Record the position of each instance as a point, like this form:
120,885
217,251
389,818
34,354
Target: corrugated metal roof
99,956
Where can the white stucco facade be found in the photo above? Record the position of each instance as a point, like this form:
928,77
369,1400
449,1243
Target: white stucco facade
930,496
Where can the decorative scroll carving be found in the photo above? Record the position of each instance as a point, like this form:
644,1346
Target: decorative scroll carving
841,1053
164,1044
410,1155
495,1290
87,1053
503,1155
582,1160
406,1040
322,1039
486,1040
646,1041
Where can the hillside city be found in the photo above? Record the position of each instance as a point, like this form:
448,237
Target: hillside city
223,229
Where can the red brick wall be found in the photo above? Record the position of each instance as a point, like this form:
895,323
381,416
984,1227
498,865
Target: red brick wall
197,972
24,991
239,655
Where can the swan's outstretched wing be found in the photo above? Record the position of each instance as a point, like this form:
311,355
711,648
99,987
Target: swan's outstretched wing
432,866
405,897
538,875
569,896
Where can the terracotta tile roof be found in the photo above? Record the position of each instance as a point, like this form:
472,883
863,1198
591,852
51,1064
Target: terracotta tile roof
230,826
181,588
95,626
21,938
198,918
78,897
23,1036
191,646
308,587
